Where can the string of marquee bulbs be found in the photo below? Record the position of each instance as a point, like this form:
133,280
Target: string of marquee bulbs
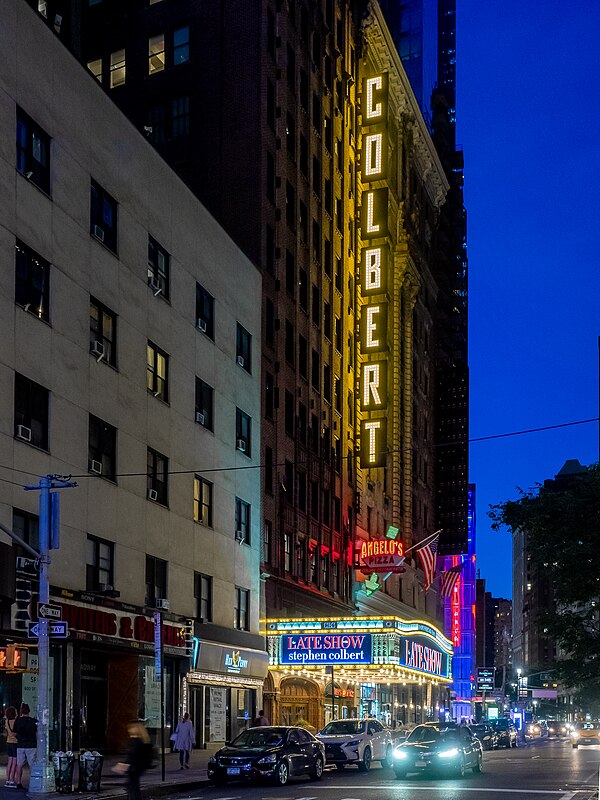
211,470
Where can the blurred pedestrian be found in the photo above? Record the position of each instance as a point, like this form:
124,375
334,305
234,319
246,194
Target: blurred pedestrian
260,720
185,739
11,747
139,758
25,729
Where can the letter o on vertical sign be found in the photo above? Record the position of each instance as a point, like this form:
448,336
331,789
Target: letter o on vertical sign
373,438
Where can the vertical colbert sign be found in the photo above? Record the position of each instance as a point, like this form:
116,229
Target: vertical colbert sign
374,273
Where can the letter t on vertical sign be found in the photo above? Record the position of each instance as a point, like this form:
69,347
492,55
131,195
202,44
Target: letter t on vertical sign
373,438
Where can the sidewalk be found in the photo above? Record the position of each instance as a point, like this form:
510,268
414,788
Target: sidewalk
113,785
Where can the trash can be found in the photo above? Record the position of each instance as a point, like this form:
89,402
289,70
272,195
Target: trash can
90,771
64,764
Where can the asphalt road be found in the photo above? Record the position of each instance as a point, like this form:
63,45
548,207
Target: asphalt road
542,770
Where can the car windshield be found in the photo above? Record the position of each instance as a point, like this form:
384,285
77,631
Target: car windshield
259,737
344,727
502,724
479,728
586,726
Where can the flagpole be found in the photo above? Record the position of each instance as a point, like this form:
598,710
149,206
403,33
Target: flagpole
425,541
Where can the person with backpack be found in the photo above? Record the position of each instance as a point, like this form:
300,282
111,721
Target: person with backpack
139,758
25,729
185,739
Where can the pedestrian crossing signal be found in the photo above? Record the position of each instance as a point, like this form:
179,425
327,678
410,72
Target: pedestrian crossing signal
13,657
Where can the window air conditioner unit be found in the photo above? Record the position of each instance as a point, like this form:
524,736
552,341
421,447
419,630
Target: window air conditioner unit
239,536
152,495
201,324
240,360
24,433
95,467
200,417
98,233
155,286
97,350
241,445
162,604
105,587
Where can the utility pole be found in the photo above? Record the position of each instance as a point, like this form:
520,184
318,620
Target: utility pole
42,771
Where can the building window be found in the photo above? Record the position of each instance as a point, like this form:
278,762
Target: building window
157,124
103,333
203,501
156,54
117,68
181,46
31,412
157,477
290,403
270,33
157,372
303,357
267,542
32,281
103,216
287,552
205,311
316,371
242,609
327,320
270,178
242,521
156,580
290,136
316,306
290,274
180,117
288,473
303,290
269,322
204,404
102,448
243,348
268,471
158,268
269,395
33,152
243,432
27,528
203,586
99,569
289,343
290,205
95,67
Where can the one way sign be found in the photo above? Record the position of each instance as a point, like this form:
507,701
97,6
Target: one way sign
60,630
51,612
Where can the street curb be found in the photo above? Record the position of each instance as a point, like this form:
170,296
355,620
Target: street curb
153,790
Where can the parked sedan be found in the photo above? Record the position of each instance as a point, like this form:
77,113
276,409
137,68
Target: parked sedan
507,733
275,753
356,741
486,735
451,752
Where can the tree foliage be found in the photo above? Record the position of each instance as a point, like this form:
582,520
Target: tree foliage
562,522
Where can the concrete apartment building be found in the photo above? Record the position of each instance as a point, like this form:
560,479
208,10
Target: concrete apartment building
131,330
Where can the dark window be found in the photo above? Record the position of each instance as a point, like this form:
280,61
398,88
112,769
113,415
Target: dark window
339,224
304,24
290,136
181,46
302,422
328,128
269,322
270,248
271,104
157,477
328,203
205,311
338,273
103,332
316,241
204,404
289,413
303,290
157,124
314,434
269,395
316,176
289,343
314,499
99,569
31,411
291,68
243,348
303,221
267,542
316,370
241,617
325,570
242,521
180,117
203,587
158,268
102,448
301,476
268,470
327,382
304,91
270,177
270,33
290,274
289,482
301,559
290,205
157,371
32,281
337,334
338,394
103,216
33,152
327,320
27,528
326,508
304,156
156,580
303,357
316,306
316,109
326,444
243,430
203,501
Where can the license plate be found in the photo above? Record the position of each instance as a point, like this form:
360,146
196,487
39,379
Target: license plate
233,770
420,763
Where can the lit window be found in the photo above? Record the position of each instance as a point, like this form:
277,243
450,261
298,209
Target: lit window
32,282
117,68
33,151
95,67
157,372
181,46
203,501
156,54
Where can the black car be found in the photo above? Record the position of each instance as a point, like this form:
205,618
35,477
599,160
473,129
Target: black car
507,733
449,751
486,735
268,753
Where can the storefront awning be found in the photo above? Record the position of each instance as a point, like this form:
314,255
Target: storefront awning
224,665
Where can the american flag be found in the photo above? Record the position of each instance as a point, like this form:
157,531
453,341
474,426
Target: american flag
428,555
449,579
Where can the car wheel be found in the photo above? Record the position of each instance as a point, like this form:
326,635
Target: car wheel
460,768
514,744
388,761
365,764
317,772
341,766
399,774
282,774
479,765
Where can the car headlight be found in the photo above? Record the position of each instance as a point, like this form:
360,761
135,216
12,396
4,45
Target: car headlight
452,753
574,735
353,743
400,753
270,759
485,738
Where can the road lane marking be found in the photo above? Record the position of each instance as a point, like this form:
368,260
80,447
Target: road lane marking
445,789
569,796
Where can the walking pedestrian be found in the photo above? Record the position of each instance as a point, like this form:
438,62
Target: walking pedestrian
261,720
25,729
139,758
185,739
11,747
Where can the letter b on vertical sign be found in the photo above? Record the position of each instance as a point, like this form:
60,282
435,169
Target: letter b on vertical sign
373,442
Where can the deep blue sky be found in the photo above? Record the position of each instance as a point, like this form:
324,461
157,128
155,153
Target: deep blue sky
529,121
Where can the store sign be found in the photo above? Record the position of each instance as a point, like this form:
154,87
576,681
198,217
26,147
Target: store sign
421,656
486,679
373,326
381,555
455,614
321,648
234,662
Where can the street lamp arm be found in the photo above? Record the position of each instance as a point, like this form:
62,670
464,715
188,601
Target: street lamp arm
32,551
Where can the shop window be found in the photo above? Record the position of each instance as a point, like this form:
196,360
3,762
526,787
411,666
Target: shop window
203,501
158,268
242,521
102,448
241,618
156,580
203,589
204,404
99,565
31,412
103,332
32,281
33,152
157,477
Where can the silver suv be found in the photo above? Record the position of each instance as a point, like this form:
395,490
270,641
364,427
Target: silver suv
356,741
